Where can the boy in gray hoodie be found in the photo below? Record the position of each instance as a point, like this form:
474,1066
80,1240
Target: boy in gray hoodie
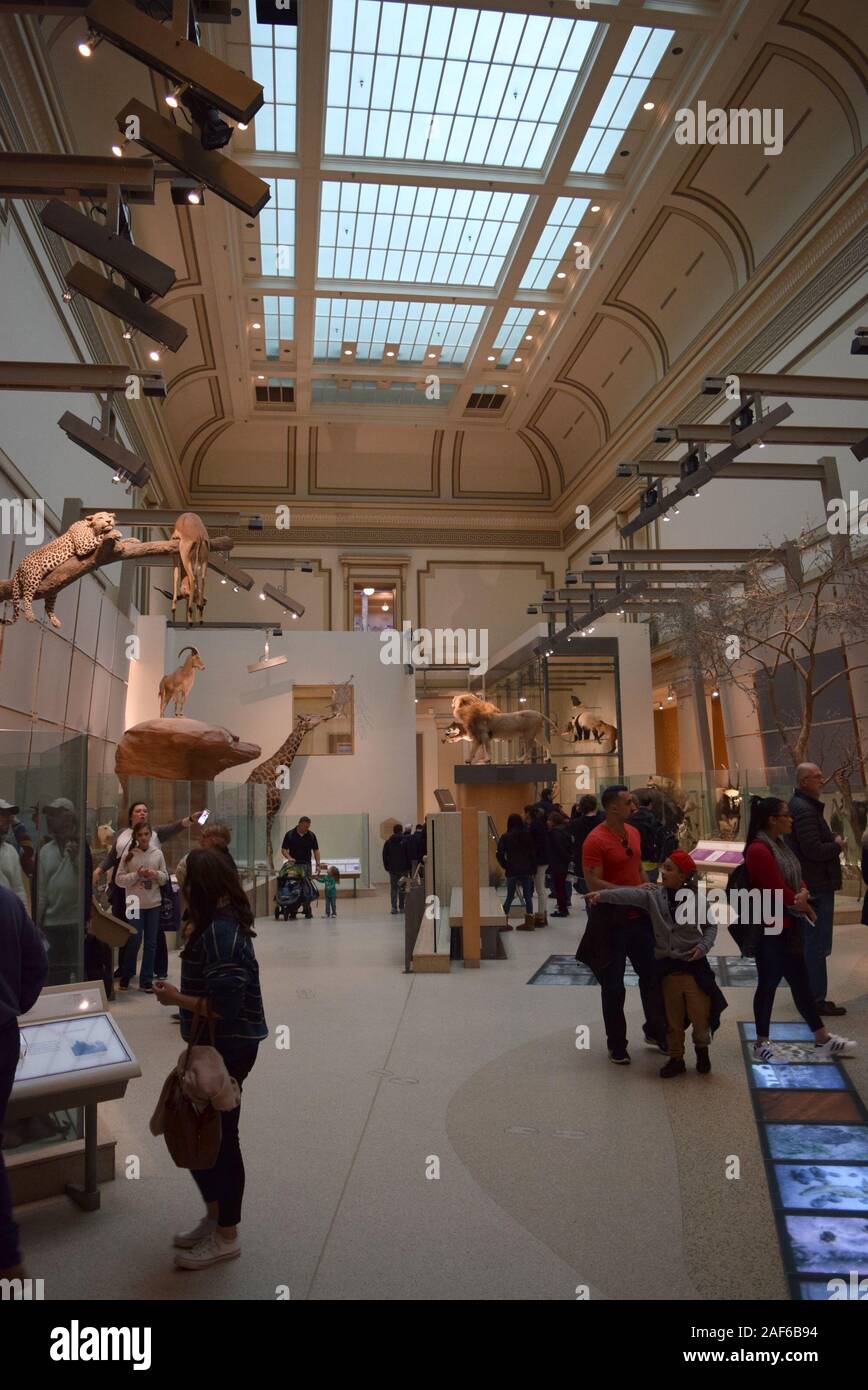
681,946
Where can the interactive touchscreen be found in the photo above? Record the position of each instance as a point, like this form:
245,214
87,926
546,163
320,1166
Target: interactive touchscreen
66,1045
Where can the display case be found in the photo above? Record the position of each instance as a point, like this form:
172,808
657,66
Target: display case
43,773
342,840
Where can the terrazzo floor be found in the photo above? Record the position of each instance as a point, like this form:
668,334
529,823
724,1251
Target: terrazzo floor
443,1137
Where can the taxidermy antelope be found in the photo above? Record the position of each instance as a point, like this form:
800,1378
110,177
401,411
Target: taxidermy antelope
179,683
194,548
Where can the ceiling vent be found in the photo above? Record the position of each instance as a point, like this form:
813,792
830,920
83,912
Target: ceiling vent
283,394
485,398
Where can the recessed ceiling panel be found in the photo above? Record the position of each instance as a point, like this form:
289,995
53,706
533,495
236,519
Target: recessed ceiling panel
329,392
279,312
276,224
449,85
418,236
510,336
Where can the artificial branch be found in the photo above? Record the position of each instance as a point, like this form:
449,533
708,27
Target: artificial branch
109,553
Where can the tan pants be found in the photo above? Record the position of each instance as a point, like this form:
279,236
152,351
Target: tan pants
682,995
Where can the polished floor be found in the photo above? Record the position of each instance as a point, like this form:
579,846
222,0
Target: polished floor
557,1171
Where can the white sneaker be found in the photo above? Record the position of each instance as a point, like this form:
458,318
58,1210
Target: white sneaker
764,1052
185,1240
208,1252
836,1047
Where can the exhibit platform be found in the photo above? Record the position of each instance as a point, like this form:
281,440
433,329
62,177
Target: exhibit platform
501,788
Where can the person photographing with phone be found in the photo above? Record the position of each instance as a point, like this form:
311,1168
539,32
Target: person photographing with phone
141,873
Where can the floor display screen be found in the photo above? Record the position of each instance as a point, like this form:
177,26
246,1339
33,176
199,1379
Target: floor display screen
67,1045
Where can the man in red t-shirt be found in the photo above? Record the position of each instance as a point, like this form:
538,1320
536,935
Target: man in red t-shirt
612,858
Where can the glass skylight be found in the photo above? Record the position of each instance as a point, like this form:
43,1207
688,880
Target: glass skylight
279,320
416,328
277,229
413,81
511,333
626,87
430,236
559,232
372,393
273,59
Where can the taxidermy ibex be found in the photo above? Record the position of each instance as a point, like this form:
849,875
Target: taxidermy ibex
179,683
194,548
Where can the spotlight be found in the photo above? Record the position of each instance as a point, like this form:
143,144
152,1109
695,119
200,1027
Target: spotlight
194,197
670,694
648,106
369,592
562,275
176,57
87,46
242,125
532,610
256,325
127,334
173,98
118,151
154,355
224,580
665,517
103,444
306,567
596,558
214,132
528,337
254,523
67,296
595,207
492,359
540,313
715,694
650,498
548,596
859,344
571,577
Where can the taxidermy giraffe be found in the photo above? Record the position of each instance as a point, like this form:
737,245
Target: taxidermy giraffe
266,772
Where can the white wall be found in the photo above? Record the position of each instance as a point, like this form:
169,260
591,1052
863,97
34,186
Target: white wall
379,779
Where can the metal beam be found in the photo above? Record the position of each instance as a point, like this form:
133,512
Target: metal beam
235,576
829,388
741,439
601,576
785,472
829,435
680,555
75,176
133,516
77,376
226,627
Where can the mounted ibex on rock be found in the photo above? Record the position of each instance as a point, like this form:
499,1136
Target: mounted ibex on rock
179,683
194,548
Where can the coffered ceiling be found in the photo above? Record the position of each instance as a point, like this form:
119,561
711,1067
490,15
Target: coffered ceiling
409,319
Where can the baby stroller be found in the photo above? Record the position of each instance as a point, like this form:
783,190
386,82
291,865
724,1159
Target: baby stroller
293,891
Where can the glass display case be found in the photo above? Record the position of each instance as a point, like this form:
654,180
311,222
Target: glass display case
343,840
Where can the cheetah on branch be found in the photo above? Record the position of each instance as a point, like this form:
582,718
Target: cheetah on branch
82,539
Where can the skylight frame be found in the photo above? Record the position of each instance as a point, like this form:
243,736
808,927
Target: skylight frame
415,325
277,229
449,61
412,234
633,72
365,393
278,314
511,332
274,64
548,254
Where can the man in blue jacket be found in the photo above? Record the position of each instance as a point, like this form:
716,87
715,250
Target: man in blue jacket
23,970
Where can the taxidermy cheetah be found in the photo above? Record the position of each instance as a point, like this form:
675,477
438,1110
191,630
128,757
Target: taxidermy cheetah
82,538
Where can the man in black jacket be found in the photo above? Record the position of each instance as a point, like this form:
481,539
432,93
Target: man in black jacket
396,862
819,853
536,822
23,970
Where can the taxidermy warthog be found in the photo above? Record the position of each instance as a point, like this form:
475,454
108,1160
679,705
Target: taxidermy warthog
584,727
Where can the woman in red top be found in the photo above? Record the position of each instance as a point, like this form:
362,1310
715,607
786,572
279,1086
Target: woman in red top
772,865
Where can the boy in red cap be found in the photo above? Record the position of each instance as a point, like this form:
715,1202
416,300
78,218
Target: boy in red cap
681,945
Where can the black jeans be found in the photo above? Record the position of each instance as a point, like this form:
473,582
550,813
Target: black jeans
633,940
781,957
224,1183
10,1048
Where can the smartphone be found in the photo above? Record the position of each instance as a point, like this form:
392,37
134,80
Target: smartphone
202,819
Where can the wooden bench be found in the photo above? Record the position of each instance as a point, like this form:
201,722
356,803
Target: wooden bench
430,956
492,920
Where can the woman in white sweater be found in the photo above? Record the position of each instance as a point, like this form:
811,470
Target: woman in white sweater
141,871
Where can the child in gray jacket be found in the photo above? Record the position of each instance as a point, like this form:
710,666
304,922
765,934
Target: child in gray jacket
681,945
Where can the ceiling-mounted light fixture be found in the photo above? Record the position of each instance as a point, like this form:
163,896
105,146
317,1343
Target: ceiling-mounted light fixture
670,694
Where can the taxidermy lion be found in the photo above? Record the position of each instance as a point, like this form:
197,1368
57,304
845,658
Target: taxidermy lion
479,721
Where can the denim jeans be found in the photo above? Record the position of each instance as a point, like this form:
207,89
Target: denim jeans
147,927
818,942
516,883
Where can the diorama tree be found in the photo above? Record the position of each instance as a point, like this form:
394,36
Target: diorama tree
780,611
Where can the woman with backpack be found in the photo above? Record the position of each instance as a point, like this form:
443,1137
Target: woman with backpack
771,865
219,983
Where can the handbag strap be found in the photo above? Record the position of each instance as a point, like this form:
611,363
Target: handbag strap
199,1022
